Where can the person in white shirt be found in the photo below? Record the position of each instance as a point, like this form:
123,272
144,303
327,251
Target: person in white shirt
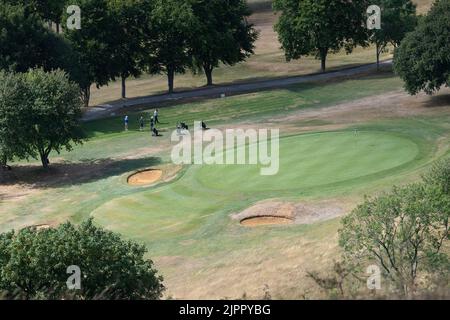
155,116
126,123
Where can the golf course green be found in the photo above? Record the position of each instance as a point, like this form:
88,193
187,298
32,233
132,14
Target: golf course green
307,162
316,159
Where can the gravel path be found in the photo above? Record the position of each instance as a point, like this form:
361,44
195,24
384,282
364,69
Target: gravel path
217,91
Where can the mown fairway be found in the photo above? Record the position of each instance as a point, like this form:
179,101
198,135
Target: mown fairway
311,164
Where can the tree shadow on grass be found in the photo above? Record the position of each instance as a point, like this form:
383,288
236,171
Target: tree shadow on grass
64,174
438,101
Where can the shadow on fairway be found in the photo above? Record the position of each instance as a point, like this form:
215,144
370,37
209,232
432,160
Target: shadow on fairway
67,173
438,101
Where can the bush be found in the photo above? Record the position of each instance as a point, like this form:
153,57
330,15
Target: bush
33,264
405,233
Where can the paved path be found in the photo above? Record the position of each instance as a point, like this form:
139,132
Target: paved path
217,91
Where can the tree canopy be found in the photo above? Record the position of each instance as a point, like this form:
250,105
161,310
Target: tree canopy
320,27
398,17
42,117
404,232
174,22
49,10
12,95
23,33
423,58
33,264
222,34
94,45
132,34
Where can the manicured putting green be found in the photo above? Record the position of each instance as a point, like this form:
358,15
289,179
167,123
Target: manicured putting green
316,159
197,203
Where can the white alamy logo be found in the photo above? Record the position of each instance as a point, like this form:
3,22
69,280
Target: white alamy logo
374,19
374,279
234,147
74,19
74,281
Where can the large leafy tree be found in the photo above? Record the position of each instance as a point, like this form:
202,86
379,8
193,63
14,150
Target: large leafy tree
174,22
54,113
133,34
398,17
423,58
42,118
49,10
12,94
94,46
33,264
320,27
23,33
222,34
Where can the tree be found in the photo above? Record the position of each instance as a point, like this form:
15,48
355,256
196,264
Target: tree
52,11
132,32
222,34
320,27
174,22
43,117
398,17
404,232
94,46
439,176
33,264
49,10
24,32
423,60
55,112
12,95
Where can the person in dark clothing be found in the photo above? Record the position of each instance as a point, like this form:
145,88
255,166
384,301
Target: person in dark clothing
141,123
152,124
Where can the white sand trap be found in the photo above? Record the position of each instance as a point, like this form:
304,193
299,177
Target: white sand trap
146,177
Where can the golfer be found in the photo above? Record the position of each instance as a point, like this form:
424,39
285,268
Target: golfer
155,116
152,124
141,123
126,122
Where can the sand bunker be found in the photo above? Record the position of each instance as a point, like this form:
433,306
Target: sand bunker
146,177
282,213
265,221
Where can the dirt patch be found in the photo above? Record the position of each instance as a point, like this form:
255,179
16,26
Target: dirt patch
283,213
40,227
396,104
145,177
